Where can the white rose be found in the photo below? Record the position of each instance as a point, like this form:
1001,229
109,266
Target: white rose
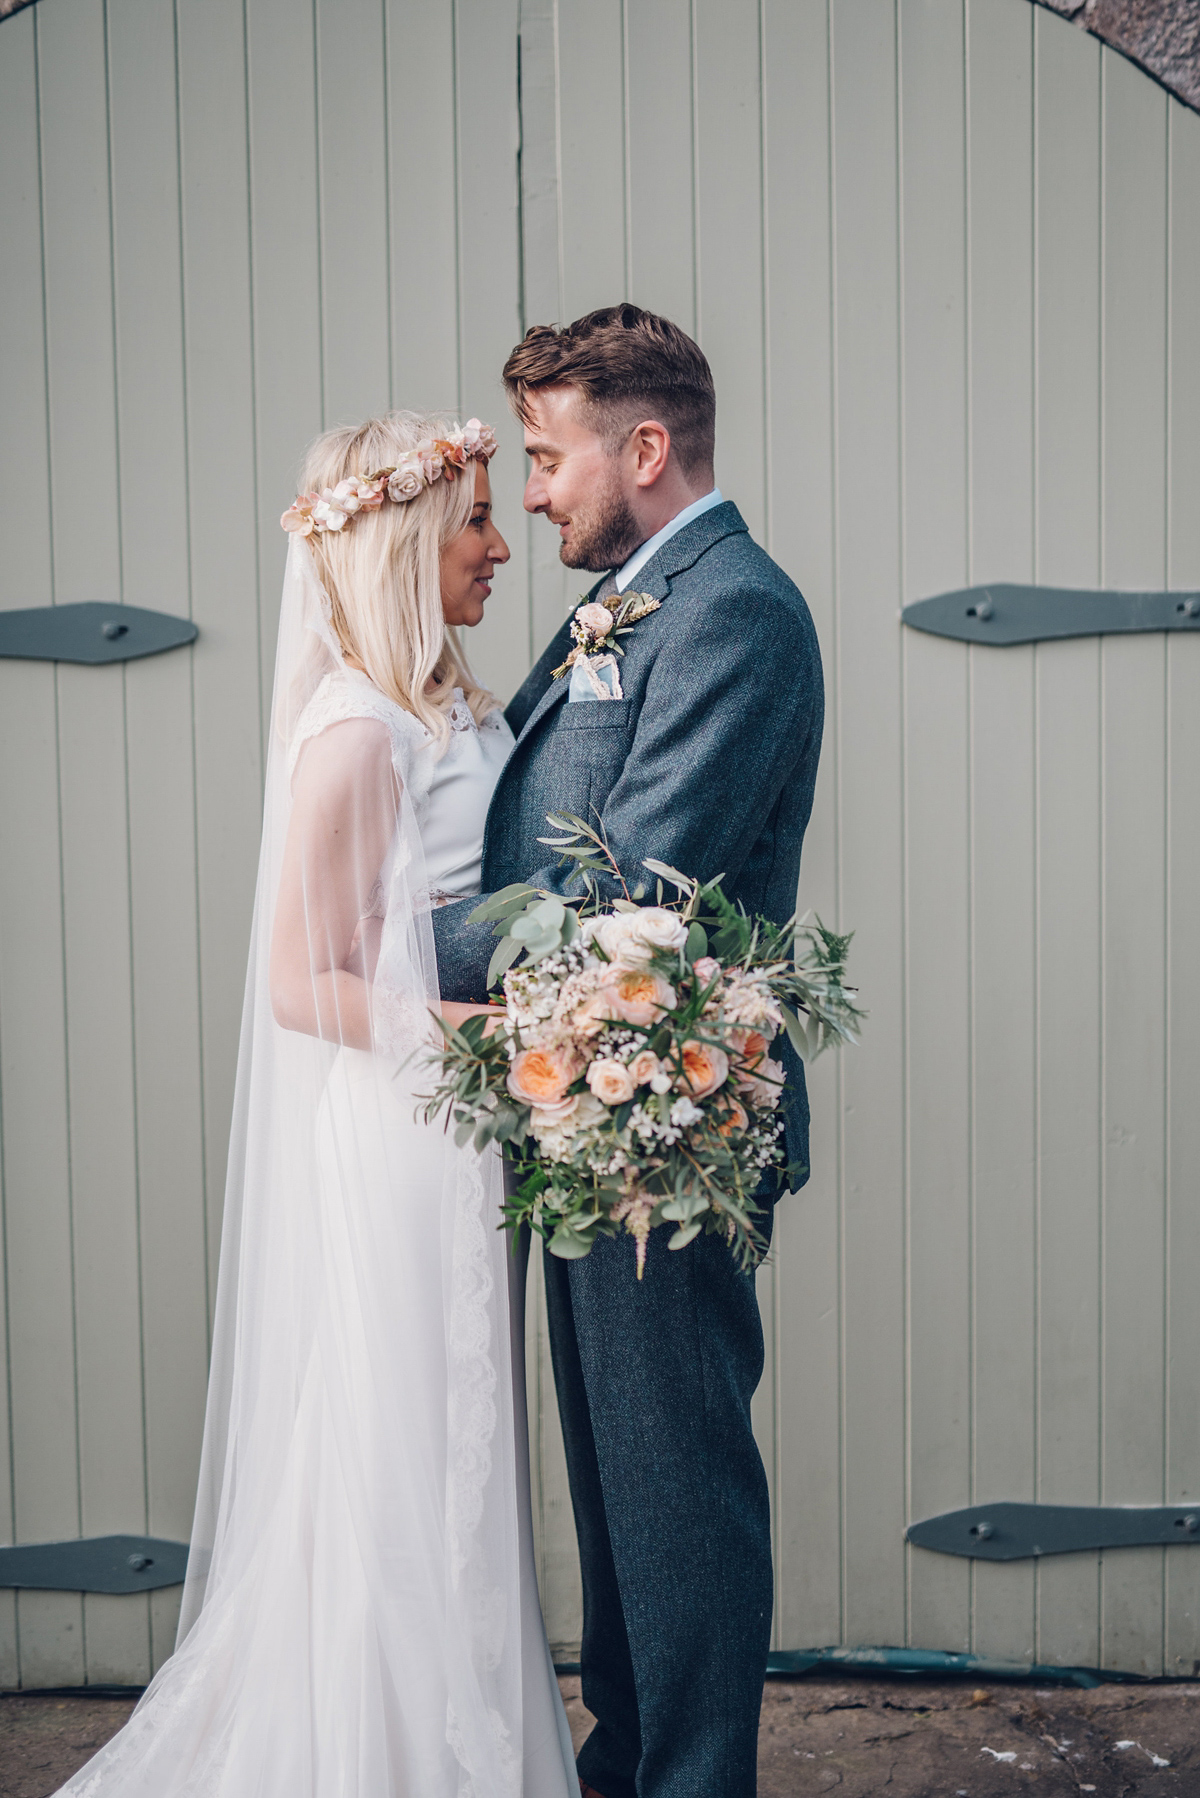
611,1081
617,936
405,481
659,928
555,1128
595,619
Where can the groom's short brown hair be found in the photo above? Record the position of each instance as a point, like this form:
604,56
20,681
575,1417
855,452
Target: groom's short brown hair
628,365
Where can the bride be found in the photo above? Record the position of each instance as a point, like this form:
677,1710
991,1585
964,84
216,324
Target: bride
360,1618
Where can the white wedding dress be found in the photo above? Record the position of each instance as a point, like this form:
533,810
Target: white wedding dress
361,1616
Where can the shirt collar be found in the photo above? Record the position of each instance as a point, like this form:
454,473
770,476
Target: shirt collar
651,547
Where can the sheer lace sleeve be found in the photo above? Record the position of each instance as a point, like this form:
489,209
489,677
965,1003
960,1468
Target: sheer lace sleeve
348,959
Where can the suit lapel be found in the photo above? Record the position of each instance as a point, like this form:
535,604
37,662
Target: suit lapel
554,694
677,555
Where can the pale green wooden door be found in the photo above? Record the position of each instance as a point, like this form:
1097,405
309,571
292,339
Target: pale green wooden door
943,256
944,260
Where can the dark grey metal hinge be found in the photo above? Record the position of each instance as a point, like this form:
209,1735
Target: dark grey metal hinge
94,1564
91,633
1016,1532
1006,614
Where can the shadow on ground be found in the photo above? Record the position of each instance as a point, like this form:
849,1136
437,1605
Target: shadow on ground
858,1737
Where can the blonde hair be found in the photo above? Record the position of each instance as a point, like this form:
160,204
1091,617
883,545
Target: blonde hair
383,577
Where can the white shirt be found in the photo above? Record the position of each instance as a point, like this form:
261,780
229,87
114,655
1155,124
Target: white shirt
652,545
581,687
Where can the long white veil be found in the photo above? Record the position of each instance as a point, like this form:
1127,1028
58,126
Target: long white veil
354,1617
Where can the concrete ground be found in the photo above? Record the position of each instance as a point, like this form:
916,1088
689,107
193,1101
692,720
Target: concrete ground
858,1737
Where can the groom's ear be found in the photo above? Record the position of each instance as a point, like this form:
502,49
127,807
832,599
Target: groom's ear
649,448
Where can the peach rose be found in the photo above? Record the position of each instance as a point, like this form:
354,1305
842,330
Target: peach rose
542,1076
596,619
734,1119
704,1069
640,996
610,1081
751,1045
589,1019
644,1066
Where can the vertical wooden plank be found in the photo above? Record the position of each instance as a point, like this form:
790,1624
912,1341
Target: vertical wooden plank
731,304
421,211
936,768
807,1499
39,1453
729,241
352,153
551,586
660,136
490,303
869,761
284,223
219,379
1000,153
1183,884
160,772
592,126
93,773
1134,847
1067,68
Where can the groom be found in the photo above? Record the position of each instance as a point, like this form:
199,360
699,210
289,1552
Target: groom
702,753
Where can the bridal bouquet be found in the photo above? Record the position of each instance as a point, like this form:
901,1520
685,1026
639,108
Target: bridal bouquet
632,1081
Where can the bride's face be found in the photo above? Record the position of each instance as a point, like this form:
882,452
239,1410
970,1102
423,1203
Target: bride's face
469,560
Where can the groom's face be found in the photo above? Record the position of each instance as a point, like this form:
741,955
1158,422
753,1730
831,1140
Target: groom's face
579,483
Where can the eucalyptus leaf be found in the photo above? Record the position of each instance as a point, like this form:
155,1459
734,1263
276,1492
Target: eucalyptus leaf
797,1034
681,1237
503,957
668,873
500,904
568,1245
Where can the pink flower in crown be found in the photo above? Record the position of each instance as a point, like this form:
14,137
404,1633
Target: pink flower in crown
454,453
299,515
432,462
371,493
407,478
348,495
479,440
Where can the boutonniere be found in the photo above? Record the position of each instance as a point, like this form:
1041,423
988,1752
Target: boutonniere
599,623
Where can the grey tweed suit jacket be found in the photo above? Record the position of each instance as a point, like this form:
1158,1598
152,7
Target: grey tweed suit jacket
707,763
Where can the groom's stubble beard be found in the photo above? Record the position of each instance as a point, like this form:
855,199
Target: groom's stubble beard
606,534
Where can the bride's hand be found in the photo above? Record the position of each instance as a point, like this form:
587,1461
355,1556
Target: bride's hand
456,1014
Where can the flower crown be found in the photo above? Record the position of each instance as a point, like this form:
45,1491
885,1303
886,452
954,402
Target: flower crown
436,459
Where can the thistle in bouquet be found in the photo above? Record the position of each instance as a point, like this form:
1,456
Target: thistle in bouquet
633,1081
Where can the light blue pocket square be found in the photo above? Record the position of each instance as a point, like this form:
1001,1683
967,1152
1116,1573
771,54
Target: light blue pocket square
582,689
